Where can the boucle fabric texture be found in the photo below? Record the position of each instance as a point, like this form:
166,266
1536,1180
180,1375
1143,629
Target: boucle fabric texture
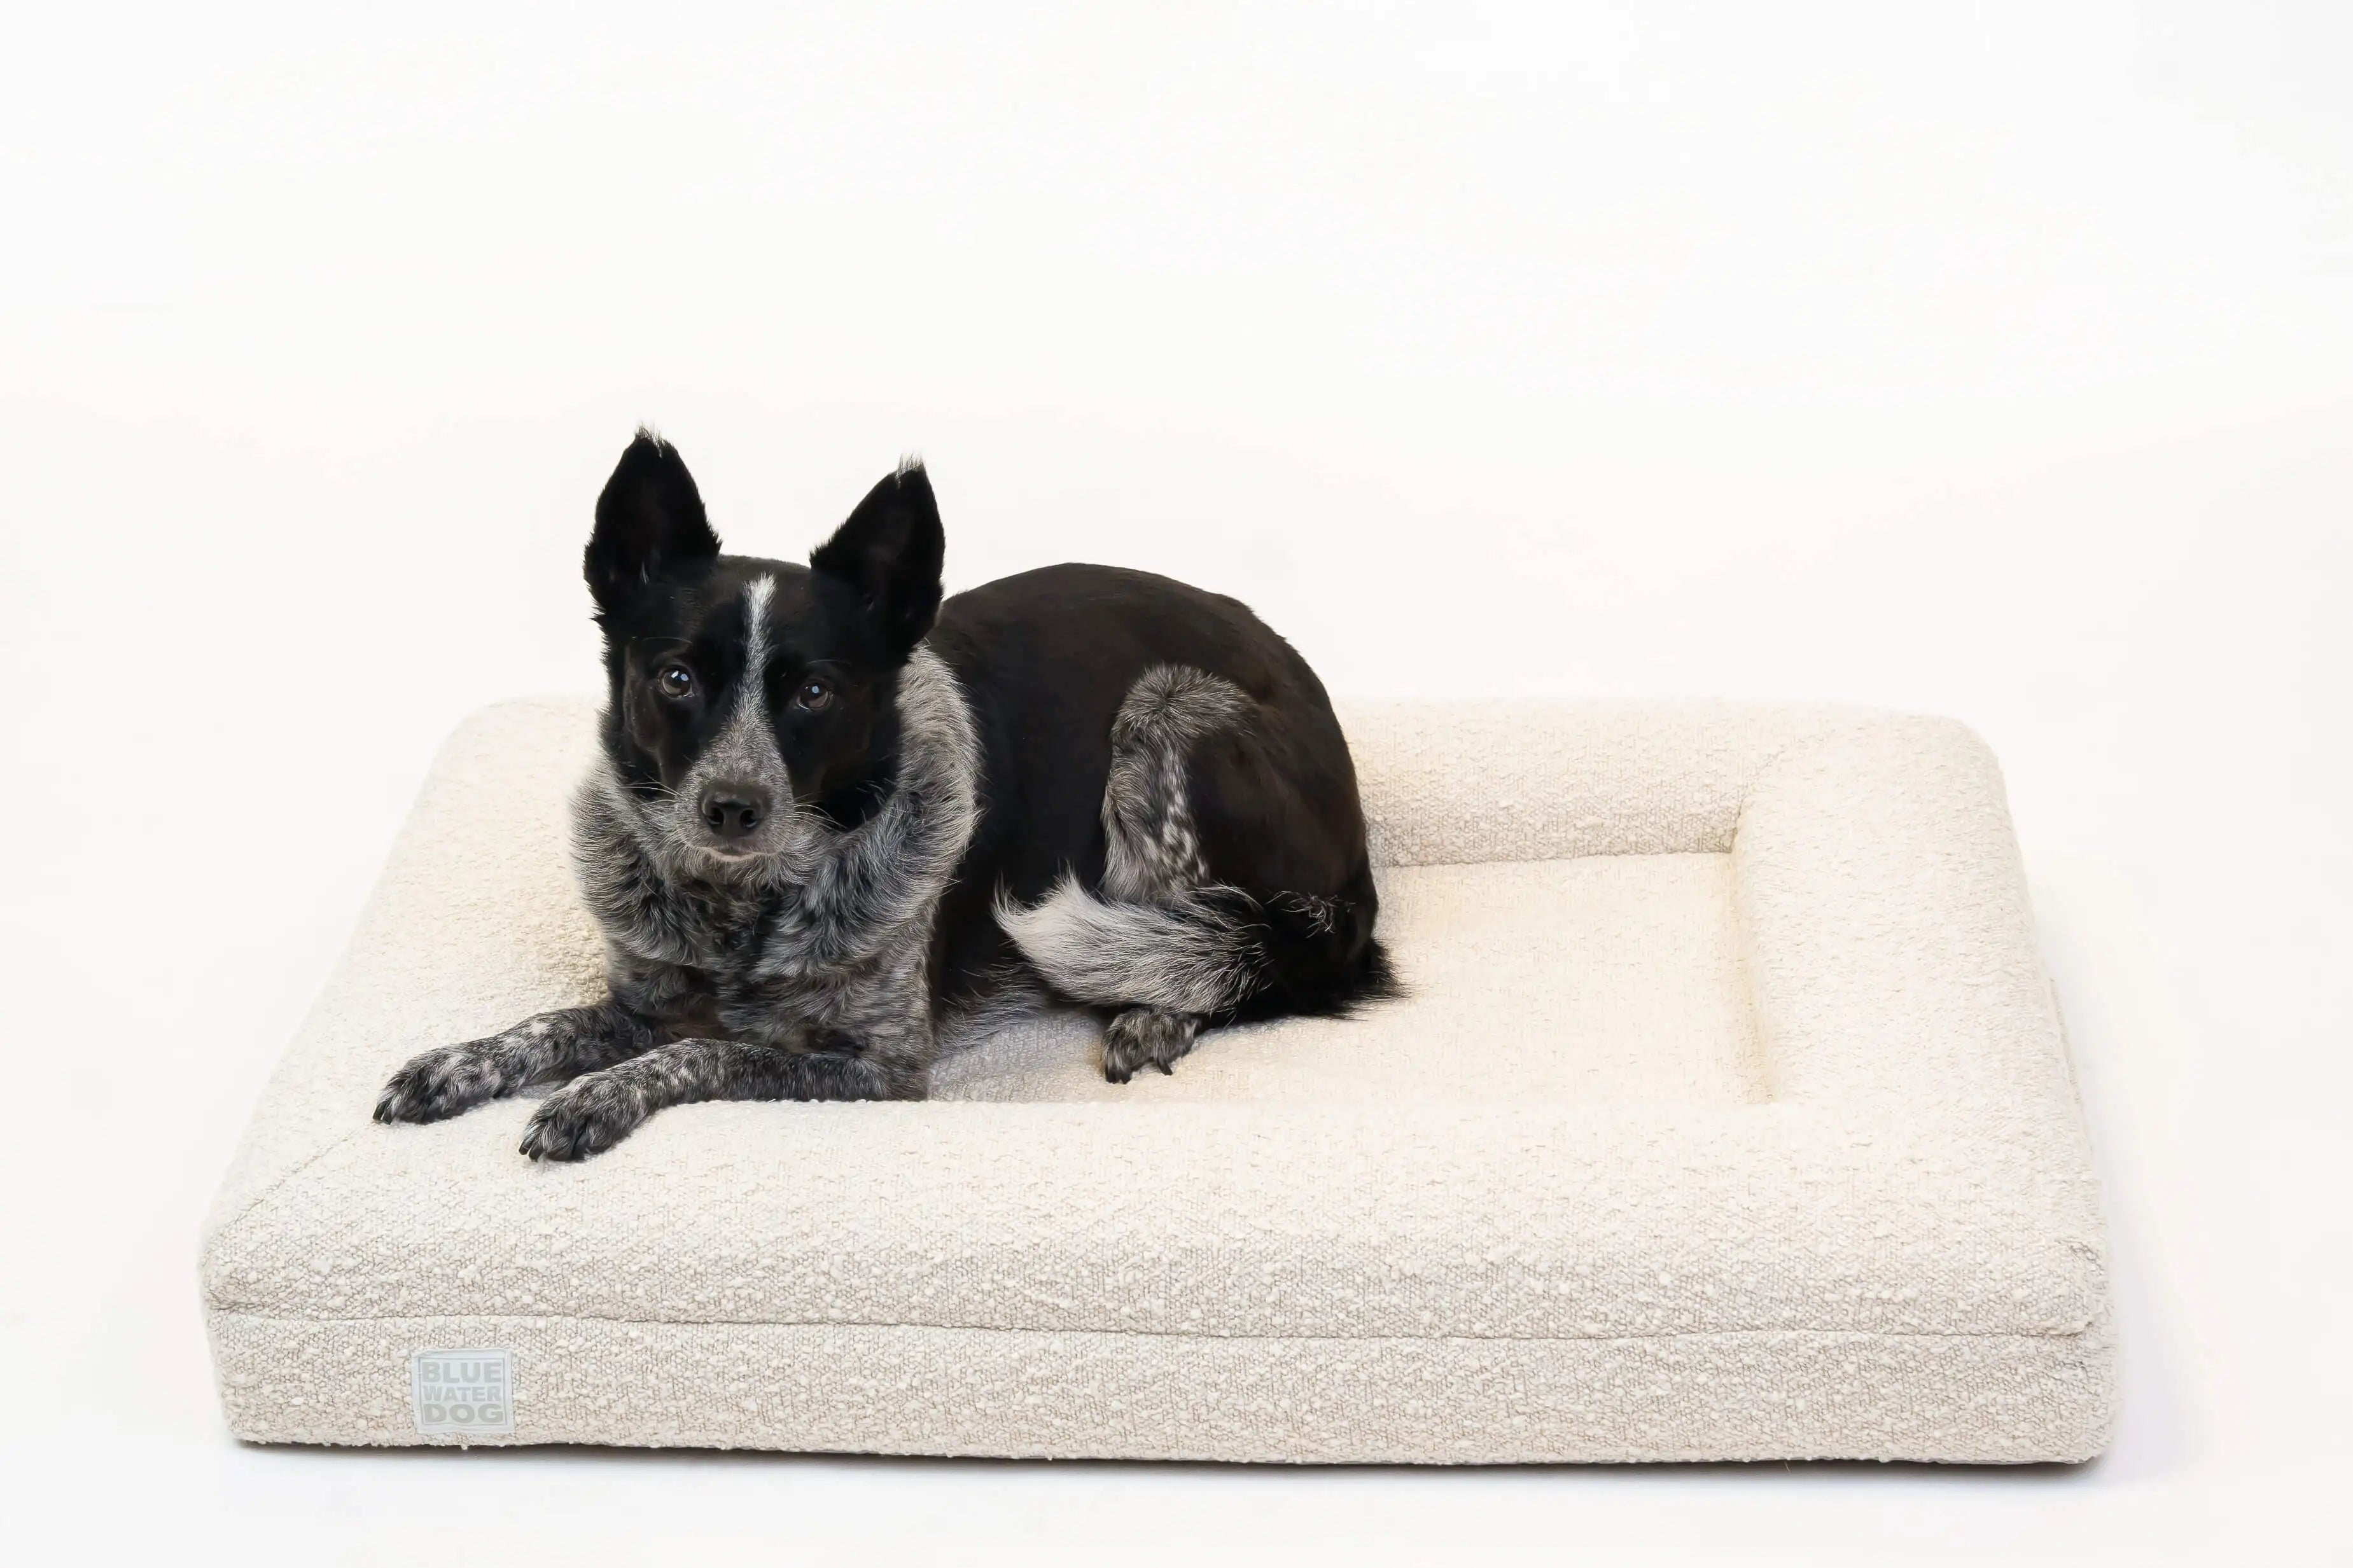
1727,1117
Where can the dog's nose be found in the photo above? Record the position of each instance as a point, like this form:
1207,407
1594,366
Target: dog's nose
732,810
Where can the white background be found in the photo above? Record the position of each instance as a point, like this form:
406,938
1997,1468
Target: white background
1992,364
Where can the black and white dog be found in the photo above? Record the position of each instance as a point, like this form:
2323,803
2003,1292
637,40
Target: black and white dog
839,825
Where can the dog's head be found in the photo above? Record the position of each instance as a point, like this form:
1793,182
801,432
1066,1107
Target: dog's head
752,702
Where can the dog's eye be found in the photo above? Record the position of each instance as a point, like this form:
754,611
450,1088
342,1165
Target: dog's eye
813,695
675,681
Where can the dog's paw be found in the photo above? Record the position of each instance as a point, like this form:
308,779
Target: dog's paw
586,1115
1141,1037
439,1084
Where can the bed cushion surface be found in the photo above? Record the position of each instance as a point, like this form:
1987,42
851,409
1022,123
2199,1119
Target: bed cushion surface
1727,1116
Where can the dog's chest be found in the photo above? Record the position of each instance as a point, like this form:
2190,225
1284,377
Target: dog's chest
756,954
719,931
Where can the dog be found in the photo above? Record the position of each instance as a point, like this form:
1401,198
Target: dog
839,826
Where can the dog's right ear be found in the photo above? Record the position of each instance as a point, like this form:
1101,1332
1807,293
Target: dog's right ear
650,518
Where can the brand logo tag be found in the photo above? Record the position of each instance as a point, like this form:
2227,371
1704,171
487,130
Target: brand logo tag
463,1391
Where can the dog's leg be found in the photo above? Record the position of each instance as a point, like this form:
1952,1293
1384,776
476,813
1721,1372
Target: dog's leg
597,1111
548,1049
1146,1036
1153,846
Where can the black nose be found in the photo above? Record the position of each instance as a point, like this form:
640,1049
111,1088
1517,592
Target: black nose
732,810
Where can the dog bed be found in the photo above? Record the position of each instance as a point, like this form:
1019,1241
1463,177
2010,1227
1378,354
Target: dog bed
1727,1117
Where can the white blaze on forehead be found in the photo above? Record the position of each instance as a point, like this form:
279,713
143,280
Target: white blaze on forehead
745,749
756,595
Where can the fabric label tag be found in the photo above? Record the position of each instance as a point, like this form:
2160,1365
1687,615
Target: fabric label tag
463,1391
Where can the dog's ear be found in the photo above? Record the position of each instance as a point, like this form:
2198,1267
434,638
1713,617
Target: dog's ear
649,518
889,553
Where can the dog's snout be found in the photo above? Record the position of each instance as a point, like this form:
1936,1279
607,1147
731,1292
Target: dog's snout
732,810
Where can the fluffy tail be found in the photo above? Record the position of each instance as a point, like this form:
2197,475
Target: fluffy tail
1216,952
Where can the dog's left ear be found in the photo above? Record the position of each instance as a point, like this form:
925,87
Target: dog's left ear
889,553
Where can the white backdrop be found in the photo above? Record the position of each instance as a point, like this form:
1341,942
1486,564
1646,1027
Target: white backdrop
1996,364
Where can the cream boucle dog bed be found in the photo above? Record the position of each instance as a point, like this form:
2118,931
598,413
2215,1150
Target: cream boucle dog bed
1728,1118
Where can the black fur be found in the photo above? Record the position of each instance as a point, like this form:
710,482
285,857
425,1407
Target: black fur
838,819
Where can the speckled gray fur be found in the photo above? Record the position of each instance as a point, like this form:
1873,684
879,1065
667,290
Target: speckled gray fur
798,976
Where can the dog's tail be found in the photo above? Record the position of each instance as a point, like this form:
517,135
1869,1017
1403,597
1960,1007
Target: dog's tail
1216,951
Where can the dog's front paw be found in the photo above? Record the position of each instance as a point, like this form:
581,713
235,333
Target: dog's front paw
586,1117
439,1084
